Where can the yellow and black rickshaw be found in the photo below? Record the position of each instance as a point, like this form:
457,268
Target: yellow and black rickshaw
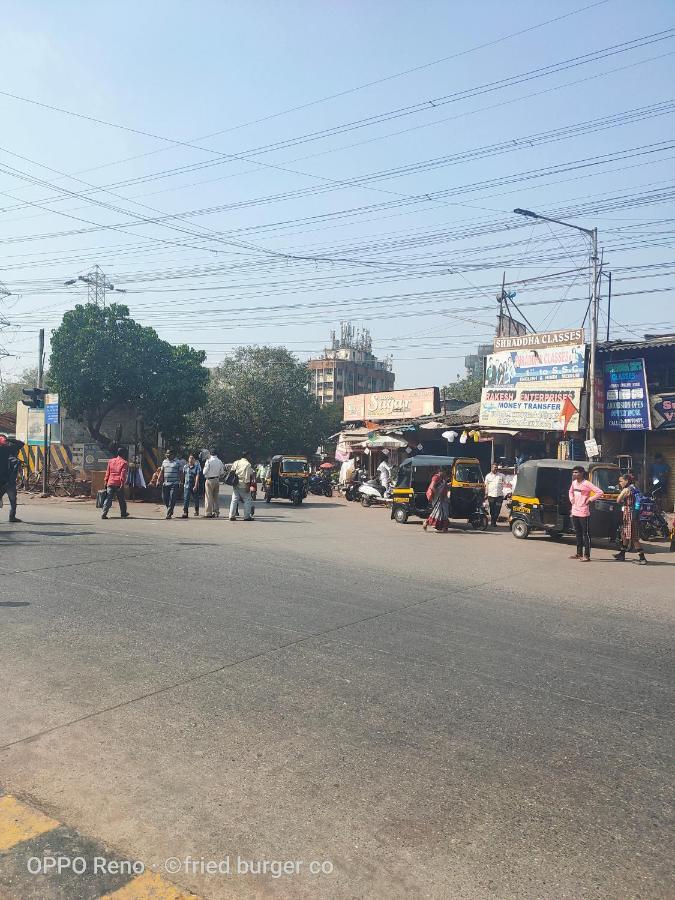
540,500
287,478
467,488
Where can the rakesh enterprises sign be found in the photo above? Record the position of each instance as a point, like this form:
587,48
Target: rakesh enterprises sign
530,377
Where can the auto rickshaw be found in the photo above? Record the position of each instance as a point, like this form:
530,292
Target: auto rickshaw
287,478
467,487
540,501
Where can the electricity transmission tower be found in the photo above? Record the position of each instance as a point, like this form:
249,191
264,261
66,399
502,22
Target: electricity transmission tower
97,285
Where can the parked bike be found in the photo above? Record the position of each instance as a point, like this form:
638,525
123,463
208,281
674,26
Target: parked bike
653,524
372,493
321,486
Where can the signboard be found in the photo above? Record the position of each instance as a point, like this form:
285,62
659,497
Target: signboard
396,405
541,340
51,409
547,364
663,411
95,458
626,396
592,449
532,407
35,428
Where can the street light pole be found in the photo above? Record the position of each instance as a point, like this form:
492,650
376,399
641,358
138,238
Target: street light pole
592,233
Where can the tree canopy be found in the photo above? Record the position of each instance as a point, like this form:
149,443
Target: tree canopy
258,400
466,389
12,391
102,360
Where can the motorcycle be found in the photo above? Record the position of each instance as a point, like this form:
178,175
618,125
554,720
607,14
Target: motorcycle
351,489
372,493
320,486
653,524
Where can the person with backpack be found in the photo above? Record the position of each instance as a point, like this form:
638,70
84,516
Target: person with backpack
630,496
9,470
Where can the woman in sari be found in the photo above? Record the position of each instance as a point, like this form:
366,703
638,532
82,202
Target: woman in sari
437,495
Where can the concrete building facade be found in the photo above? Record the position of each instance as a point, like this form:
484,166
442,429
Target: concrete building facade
348,367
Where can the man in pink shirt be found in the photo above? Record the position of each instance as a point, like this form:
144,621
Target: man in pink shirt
582,494
115,479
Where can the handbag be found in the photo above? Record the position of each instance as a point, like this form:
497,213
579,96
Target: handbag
232,478
100,498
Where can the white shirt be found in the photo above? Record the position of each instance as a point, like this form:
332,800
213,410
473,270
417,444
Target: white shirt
494,484
213,467
385,473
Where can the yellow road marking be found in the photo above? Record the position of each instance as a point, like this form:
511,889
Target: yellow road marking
19,822
149,886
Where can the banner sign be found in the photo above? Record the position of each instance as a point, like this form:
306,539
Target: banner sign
396,405
626,396
51,409
95,458
663,411
548,364
531,408
538,341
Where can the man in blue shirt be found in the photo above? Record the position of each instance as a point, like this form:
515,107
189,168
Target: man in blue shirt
191,472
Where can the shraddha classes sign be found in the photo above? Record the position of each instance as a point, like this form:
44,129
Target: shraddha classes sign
534,381
410,404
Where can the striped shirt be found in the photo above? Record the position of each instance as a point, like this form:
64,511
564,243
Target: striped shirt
172,469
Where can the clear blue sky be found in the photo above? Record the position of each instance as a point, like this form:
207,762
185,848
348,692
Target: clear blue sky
420,269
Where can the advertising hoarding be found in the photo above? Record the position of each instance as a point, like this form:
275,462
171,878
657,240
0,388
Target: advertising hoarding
663,411
408,404
531,407
529,364
626,396
541,339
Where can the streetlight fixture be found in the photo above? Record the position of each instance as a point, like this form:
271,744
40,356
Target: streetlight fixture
592,233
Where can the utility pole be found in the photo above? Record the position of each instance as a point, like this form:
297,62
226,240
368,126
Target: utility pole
501,298
97,285
595,308
595,302
45,435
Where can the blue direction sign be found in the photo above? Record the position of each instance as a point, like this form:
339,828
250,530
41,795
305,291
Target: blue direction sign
51,409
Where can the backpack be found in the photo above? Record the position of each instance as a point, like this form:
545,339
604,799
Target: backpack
638,498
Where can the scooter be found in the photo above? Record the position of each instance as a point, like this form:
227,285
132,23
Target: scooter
372,494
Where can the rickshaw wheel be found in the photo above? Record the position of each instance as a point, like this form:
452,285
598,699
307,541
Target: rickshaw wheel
519,529
401,515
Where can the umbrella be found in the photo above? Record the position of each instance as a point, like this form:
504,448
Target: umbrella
326,465
385,442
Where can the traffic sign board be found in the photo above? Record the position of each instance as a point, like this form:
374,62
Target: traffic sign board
51,409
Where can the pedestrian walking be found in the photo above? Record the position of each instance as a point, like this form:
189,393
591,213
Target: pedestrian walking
494,491
115,479
191,474
213,469
9,470
243,473
170,478
437,495
630,532
582,493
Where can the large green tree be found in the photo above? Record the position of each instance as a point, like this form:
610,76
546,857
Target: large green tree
102,360
466,389
258,400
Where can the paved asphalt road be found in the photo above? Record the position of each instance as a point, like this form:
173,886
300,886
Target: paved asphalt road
434,716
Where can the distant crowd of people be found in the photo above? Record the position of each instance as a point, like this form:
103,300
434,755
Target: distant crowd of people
199,477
